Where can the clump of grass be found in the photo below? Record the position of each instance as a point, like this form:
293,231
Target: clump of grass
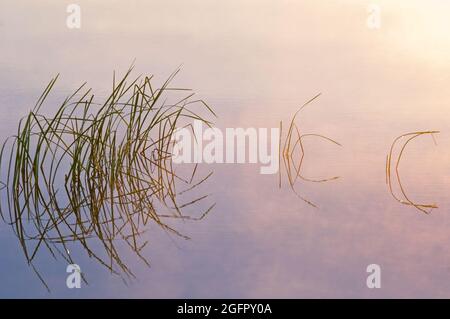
425,208
95,174
294,152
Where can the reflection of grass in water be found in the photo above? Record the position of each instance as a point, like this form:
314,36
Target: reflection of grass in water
425,208
97,171
293,145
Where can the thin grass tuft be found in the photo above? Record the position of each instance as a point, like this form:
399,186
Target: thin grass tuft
403,198
94,174
293,154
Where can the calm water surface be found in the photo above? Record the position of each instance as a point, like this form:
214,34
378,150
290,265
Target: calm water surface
256,62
